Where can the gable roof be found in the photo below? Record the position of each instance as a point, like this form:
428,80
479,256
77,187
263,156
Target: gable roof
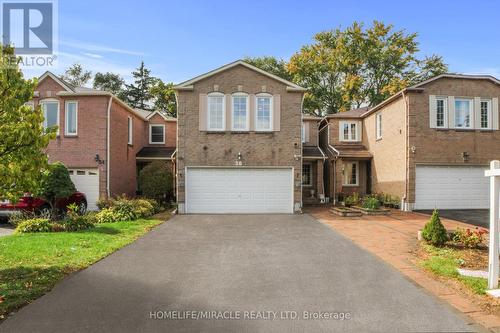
457,76
61,82
353,113
188,85
162,114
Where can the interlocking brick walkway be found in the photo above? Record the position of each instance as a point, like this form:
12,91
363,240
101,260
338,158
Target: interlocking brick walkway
393,238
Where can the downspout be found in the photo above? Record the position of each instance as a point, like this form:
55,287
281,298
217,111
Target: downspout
108,136
405,204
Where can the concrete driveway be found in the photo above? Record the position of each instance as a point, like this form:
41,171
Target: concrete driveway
265,270
477,217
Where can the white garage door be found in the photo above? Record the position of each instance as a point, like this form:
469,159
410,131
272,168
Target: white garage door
87,182
449,187
239,190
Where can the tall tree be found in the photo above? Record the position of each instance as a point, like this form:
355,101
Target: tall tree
139,92
110,82
272,65
22,136
357,66
164,97
77,75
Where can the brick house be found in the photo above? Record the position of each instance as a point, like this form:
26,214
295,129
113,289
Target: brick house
427,145
101,140
239,146
313,162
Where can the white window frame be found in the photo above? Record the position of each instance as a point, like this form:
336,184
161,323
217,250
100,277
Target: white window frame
378,125
445,111
130,130
247,112
344,183
209,127
489,114
43,104
350,137
310,175
471,112
151,132
271,112
66,127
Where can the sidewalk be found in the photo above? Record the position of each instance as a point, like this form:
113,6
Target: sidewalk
393,238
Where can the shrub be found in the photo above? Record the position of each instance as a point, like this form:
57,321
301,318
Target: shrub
20,216
156,181
56,184
34,225
106,216
371,203
468,238
351,200
434,232
75,221
104,203
143,208
124,208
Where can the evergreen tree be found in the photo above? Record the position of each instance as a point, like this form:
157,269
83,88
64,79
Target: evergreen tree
139,93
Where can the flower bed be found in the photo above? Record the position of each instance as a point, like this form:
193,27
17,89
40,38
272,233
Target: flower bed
345,211
368,211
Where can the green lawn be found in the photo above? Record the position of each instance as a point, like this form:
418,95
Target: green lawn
31,264
445,261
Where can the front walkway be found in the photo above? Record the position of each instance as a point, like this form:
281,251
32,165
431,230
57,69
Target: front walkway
6,229
393,238
263,273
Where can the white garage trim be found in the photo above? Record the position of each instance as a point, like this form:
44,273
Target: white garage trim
287,208
451,187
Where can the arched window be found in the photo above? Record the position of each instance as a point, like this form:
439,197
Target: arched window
264,112
240,112
216,112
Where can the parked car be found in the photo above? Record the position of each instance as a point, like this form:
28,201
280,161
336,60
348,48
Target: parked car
29,203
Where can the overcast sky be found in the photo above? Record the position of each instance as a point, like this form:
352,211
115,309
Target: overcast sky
181,39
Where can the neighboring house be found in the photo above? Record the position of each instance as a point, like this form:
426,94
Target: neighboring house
101,140
313,162
239,146
427,145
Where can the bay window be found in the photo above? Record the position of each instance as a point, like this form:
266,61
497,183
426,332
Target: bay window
71,118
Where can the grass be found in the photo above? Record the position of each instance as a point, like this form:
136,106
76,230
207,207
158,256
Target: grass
31,264
445,261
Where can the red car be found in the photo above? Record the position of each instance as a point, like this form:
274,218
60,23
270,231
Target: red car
40,206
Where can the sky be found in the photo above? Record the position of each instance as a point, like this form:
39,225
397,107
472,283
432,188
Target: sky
178,40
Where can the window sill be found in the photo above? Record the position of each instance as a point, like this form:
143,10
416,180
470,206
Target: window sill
378,139
157,143
70,135
350,185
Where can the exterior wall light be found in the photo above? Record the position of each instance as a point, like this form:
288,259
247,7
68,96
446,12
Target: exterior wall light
465,156
413,149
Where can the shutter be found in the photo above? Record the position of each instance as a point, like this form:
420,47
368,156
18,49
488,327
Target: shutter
229,112
203,112
494,112
432,111
251,109
477,113
451,111
276,112
341,130
359,131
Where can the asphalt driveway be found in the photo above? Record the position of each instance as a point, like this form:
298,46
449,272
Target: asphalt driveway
477,217
261,273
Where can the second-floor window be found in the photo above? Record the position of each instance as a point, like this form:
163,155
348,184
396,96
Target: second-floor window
71,118
130,130
263,114
156,134
50,113
441,111
463,112
240,112
378,125
349,131
216,112
485,116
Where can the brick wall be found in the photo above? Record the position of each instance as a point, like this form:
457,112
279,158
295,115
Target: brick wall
197,147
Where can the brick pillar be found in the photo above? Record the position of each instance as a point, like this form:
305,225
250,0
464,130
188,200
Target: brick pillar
319,178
